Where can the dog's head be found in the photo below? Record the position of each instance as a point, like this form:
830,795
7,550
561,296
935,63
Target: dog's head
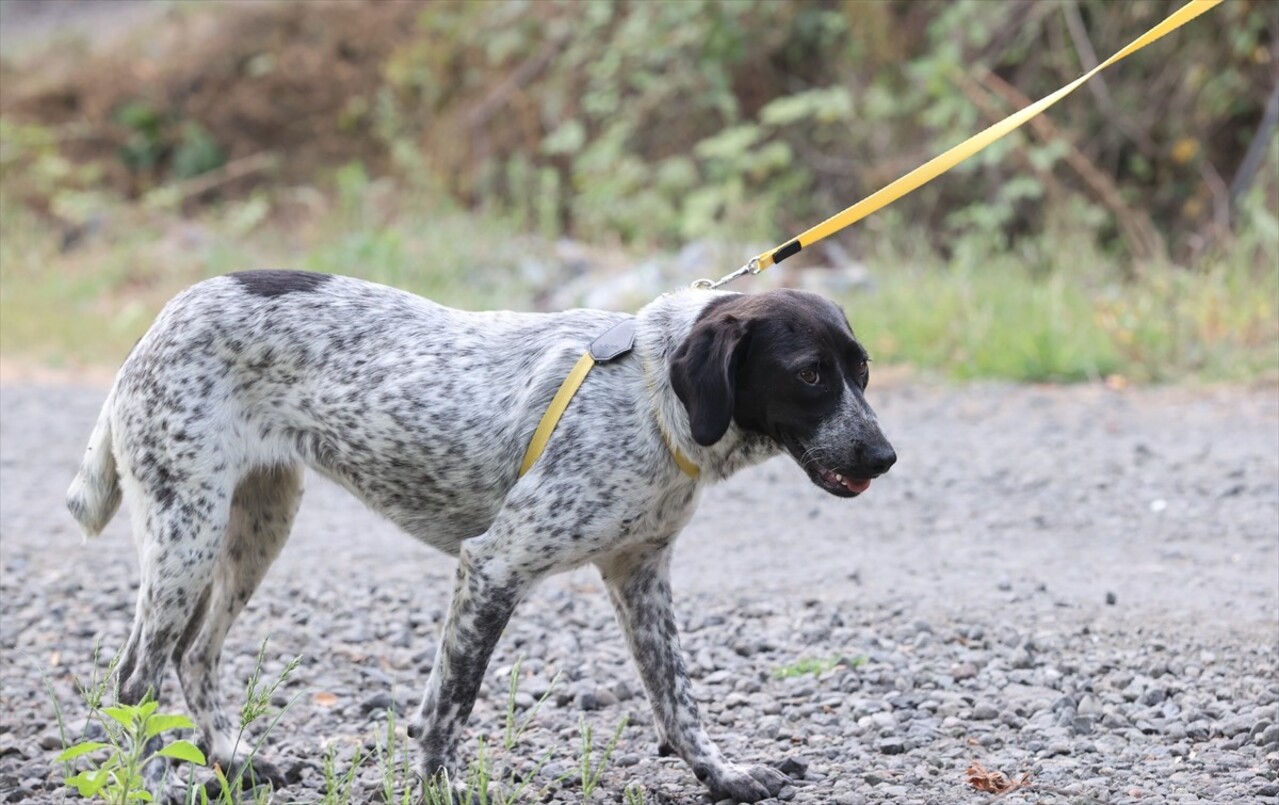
784,364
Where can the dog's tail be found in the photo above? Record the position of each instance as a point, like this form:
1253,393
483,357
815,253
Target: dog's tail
94,495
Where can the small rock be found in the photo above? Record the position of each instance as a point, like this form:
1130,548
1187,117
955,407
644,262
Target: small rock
1269,736
1089,705
963,670
985,712
794,767
556,769
586,700
85,730
891,746
377,703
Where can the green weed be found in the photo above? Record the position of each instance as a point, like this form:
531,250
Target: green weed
591,768
395,766
115,774
633,794
816,667
338,786
112,770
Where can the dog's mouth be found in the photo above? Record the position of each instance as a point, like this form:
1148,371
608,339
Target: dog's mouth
838,483
843,483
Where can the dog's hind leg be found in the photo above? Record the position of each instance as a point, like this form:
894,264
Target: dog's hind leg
179,535
639,585
179,525
262,512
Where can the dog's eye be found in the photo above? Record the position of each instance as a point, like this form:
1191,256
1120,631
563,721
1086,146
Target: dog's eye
810,377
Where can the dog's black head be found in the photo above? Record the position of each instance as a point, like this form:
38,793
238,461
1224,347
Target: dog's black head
784,364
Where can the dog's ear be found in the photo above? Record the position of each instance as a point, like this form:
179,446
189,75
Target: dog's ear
704,373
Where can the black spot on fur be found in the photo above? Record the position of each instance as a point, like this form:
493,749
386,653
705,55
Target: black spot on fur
275,282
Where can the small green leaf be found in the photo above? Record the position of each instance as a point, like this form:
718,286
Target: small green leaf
159,724
825,105
183,750
121,714
567,139
141,795
76,751
89,783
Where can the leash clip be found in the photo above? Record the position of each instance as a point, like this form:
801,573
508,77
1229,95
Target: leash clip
752,267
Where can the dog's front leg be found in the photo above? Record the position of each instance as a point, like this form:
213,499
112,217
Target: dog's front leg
639,585
487,590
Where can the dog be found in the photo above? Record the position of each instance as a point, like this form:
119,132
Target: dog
423,412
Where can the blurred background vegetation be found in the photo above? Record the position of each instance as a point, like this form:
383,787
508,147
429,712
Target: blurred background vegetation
546,154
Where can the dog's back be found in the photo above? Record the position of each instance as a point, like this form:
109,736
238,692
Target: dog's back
391,395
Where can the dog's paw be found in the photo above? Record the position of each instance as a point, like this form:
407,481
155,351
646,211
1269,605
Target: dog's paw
436,770
442,787
746,783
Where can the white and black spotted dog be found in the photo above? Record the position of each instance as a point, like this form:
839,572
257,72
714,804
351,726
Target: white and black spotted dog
424,413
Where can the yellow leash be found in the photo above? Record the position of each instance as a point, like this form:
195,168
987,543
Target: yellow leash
940,164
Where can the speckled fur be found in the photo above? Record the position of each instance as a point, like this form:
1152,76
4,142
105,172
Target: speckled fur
423,412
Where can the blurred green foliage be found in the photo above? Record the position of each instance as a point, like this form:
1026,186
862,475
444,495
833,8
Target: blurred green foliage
657,123
444,147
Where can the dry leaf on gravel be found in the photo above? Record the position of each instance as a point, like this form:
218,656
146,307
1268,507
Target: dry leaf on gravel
993,782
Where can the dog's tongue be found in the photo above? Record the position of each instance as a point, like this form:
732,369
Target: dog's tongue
857,485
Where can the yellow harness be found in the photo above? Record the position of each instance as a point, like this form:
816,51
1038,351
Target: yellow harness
612,344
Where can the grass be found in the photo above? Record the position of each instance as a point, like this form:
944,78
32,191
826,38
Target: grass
1058,310
111,771
1052,310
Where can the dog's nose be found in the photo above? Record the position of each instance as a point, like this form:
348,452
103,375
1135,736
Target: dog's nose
880,458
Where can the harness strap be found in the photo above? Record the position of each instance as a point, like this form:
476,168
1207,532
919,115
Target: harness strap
682,461
613,343
555,410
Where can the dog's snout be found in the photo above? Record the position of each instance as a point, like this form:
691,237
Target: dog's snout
880,458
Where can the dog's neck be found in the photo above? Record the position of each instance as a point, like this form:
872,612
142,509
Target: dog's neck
662,326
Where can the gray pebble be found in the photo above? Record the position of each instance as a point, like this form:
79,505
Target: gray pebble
963,670
1269,736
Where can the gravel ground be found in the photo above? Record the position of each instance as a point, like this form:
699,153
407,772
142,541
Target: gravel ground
1078,584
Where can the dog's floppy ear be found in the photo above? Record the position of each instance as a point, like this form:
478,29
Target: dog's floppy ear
704,373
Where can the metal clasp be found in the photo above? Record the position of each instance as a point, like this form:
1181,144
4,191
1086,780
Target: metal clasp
751,267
